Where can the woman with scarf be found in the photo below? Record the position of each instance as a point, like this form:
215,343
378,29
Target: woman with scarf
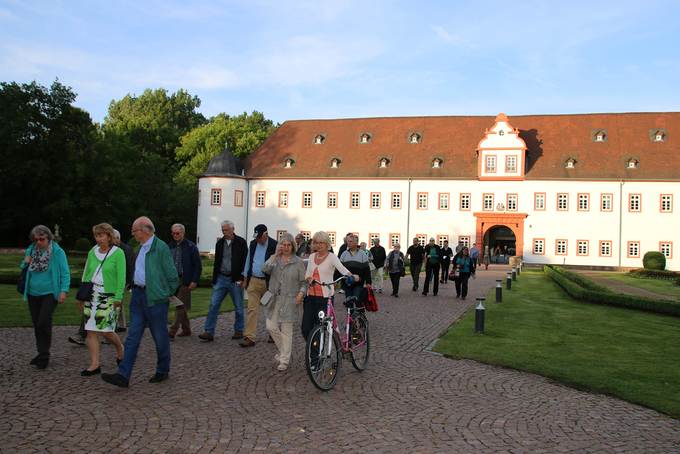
47,282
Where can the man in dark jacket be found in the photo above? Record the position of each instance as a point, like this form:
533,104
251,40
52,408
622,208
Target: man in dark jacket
261,248
230,260
188,264
433,259
447,255
415,254
379,256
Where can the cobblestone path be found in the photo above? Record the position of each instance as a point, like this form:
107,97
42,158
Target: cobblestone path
223,398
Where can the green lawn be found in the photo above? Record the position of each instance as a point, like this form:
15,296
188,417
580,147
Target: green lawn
13,311
538,328
660,286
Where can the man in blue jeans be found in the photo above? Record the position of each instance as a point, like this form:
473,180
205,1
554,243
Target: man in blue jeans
154,281
230,259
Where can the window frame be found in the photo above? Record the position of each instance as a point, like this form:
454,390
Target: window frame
332,237
469,201
557,201
611,202
507,201
351,200
448,200
507,158
422,236
545,198
493,201
599,248
392,198
566,247
328,200
670,201
486,163
379,200
287,195
213,192
427,200
441,239
465,239
311,199
628,245
534,243
238,197
578,249
392,242
578,201
670,246
257,199
630,201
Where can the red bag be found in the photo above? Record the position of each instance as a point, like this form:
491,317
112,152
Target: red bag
371,304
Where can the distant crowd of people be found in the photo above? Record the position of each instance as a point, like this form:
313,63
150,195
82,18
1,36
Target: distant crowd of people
278,277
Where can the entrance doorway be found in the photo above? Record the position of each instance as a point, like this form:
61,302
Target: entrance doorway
502,243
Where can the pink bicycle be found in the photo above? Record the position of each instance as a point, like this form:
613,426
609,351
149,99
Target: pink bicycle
326,344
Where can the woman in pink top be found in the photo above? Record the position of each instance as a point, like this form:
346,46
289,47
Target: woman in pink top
321,266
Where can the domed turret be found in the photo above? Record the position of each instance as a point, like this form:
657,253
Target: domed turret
224,164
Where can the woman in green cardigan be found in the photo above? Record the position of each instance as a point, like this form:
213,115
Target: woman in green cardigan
105,268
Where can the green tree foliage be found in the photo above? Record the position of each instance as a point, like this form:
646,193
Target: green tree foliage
155,121
45,145
242,134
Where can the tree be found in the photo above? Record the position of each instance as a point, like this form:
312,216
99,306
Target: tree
45,147
243,134
155,121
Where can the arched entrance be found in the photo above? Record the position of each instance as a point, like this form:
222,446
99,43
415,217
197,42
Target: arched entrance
502,243
503,228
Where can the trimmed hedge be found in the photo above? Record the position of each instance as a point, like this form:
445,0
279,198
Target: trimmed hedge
654,274
587,293
654,260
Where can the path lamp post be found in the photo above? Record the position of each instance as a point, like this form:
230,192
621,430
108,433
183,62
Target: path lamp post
519,268
508,280
499,290
514,273
479,315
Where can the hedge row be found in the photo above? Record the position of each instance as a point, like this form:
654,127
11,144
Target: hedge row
565,279
654,274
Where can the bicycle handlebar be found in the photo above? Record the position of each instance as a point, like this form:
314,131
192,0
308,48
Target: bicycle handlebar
350,281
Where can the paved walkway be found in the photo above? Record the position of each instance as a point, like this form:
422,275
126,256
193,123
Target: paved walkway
601,278
223,398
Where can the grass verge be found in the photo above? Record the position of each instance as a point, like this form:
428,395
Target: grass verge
538,328
14,312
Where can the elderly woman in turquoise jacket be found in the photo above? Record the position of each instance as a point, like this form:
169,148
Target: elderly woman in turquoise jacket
105,268
47,282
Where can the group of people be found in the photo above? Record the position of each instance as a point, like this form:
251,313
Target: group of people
280,277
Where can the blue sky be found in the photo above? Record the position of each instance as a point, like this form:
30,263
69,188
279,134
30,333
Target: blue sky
336,59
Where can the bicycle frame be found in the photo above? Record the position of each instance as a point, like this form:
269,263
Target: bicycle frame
328,319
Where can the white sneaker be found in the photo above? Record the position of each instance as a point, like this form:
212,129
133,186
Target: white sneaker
282,367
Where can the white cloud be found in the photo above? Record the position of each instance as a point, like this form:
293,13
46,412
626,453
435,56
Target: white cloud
444,35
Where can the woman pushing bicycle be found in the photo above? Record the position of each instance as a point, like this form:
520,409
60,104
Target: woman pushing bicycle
321,266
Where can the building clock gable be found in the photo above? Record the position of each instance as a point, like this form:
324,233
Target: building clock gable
501,152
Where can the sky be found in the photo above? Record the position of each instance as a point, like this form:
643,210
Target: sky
345,59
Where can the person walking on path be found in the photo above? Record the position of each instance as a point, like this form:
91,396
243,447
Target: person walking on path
287,286
121,326
154,281
415,254
357,262
487,257
105,268
474,254
188,264
231,252
466,267
433,259
261,248
379,255
302,247
395,268
320,267
447,254
48,279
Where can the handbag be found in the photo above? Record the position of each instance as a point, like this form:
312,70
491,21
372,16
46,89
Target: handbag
86,289
371,304
21,283
266,298
455,274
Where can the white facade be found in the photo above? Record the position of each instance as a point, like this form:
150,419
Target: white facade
561,221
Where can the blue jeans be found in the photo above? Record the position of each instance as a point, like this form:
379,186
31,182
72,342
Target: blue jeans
156,319
223,286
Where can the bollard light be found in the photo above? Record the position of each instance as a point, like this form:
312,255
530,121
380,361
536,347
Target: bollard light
514,273
499,290
519,268
479,315
508,281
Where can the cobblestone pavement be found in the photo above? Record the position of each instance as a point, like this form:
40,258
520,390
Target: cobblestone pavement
223,398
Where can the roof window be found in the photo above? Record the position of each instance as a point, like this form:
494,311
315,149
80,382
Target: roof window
383,163
599,135
570,163
288,163
632,163
319,139
335,163
365,137
437,163
414,138
657,135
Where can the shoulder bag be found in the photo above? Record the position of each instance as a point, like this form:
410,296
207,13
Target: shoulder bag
86,289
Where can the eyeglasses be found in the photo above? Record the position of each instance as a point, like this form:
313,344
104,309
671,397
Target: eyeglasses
176,233
41,239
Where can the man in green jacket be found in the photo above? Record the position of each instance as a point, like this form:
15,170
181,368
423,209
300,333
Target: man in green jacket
154,281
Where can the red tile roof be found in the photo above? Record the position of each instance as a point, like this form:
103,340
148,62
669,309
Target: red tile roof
550,139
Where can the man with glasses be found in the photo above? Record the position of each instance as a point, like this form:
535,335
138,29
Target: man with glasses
188,264
154,281
230,259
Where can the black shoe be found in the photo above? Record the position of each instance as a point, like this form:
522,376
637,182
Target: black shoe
35,360
424,294
41,363
89,373
116,379
157,378
206,337
434,294
78,340
441,282
396,296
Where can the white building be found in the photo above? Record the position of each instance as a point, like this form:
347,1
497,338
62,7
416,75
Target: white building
594,189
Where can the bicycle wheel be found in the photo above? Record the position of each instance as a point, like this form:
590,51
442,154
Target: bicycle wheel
360,346
322,365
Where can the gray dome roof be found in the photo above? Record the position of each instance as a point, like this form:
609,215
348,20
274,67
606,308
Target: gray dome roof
224,164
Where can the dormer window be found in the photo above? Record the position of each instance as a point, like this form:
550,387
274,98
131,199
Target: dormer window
657,135
335,163
437,163
632,163
319,139
364,138
414,138
570,163
383,163
288,163
600,135
501,133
